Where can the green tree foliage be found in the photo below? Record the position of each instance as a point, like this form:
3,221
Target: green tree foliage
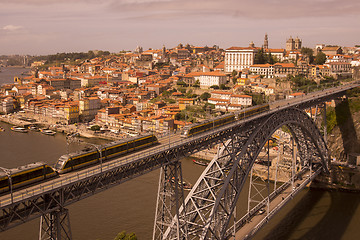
182,90
261,57
205,96
329,80
72,56
13,62
320,58
300,82
196,84
166,94
234,73
270,59
214,87
170,101
223,87
308,52
95,128
258,99
159,65
180,83
124,236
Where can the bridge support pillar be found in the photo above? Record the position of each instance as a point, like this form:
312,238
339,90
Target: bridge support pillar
169,199
55,226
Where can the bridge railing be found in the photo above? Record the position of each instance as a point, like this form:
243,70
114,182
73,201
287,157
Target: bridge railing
21,195
299,99
261,204
82,175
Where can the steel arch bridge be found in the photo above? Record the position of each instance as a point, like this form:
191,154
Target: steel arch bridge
207,211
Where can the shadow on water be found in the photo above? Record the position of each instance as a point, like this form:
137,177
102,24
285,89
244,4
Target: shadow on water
348,132
327,221
299,212
336,219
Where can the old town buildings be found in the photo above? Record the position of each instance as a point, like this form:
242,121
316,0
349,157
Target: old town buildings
150,90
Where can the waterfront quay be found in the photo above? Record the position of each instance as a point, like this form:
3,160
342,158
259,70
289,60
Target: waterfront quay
82,129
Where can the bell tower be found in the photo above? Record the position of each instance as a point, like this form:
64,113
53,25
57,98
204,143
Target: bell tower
266,42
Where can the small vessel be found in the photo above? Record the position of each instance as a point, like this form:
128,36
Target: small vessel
2,129
34,128
48,132
186,185
19,129
200,162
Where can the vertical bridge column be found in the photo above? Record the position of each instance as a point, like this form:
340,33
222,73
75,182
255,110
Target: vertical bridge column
169,199
55,225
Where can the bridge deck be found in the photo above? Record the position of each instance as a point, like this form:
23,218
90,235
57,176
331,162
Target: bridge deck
147,160
256,221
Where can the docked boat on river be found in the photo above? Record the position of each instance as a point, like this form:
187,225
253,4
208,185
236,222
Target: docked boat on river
200,162
48,132
19,129
34,128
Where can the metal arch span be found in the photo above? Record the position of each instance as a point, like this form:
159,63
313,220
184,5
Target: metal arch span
210,204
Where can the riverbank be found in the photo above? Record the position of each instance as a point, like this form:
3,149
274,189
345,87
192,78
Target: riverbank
19,119
341,178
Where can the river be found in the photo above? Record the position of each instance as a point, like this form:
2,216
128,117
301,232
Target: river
7,74
313,214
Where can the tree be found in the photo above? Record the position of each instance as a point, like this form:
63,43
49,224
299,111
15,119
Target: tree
95,128
308,52
214,87
223,87
320,58
270,59
124,236
181,83
205,96
234,73
197,83
166,93
260,57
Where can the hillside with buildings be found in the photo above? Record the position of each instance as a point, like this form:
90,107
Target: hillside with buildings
162,90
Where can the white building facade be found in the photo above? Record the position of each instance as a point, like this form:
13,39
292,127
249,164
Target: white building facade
238,58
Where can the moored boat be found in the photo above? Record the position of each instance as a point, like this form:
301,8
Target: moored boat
48,132
200,162
19,129
2,129
34,128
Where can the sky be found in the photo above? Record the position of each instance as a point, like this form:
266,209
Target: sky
41,27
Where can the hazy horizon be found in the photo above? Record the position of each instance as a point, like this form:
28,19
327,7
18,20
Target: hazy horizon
42,27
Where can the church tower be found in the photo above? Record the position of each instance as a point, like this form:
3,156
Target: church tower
297,43
290,44
266,42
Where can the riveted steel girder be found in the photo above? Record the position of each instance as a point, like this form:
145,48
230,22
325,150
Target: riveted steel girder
169,199
210,204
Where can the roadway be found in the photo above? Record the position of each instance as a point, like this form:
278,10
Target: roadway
82,174
258,218
165,143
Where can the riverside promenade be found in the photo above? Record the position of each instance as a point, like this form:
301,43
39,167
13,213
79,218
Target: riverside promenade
19,119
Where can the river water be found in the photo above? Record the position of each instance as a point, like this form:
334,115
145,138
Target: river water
313,214
7,74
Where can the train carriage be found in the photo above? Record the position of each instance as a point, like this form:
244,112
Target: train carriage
70,162
207,125
222,120
252,111
26,175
